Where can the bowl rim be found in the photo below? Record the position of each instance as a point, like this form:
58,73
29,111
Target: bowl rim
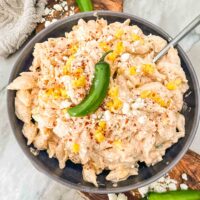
90,189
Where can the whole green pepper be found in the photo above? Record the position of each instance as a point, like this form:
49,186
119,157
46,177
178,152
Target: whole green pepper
97,91
84,5
175,195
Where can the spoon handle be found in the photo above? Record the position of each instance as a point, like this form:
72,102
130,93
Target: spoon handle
179,37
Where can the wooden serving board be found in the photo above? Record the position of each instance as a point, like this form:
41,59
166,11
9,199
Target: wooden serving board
190,164
113,5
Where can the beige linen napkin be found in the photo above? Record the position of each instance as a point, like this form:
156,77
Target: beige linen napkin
18,18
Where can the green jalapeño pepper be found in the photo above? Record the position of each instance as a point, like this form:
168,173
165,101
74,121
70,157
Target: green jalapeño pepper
84,5
175,195
97,91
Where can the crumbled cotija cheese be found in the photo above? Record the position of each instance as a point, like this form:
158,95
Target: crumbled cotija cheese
125,57
112,196
162,185
183,186
142,120
62,7
125,108
184,176
58,7
120,196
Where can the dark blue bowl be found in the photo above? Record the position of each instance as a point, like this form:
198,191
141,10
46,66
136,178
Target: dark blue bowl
71,175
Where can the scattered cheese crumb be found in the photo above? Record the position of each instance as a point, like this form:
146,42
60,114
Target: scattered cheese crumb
143,190
126,108
63,4
125,57
120,196
47,23
112,196
46,11
66,8
183,186
65,104
58,7
42,20
54,20
139,103
184,176
172,186
142,120
162,185
107,115
35,152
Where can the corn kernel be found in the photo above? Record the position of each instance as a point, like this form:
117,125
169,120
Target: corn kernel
160,101
148,68
145,94
119,48
79,70
155,97
109,104
80,82
73,49
113,92
132,70
171,85
75,148
119,33
63,92
117,103
112,56
135,37
104,46
99,136
117,143
102,124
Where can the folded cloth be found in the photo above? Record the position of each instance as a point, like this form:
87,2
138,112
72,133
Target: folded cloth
18,18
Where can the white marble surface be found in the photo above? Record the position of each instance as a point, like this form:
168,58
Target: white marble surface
19,180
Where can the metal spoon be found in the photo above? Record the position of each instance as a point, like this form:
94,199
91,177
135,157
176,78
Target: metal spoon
178,38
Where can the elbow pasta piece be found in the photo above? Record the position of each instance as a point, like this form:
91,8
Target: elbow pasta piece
30,131
22,112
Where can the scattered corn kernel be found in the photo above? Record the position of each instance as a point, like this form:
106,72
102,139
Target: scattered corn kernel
171,85
119,48
99,136
155,97
119,33
102,124
104,46
135,37
145,94
148,68
113,92
132,70
112,56
63,92
80,82
78,70
73,49
117,103
75,148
